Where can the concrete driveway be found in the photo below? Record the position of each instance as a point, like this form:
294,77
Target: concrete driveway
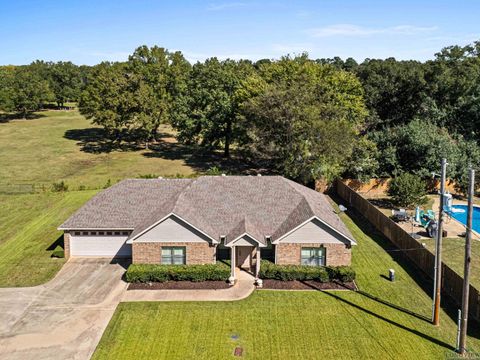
64,318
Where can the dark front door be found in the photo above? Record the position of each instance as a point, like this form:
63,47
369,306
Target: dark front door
244,257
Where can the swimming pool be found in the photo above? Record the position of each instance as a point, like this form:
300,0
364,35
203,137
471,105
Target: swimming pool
462,216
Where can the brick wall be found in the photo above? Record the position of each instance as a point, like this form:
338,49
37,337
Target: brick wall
290,254
66,244
150,252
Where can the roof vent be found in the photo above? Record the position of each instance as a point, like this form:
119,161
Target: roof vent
224,175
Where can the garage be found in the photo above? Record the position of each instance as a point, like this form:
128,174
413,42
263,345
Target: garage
100,244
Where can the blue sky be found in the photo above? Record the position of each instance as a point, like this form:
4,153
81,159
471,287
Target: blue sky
87,32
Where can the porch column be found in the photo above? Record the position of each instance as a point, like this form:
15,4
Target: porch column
232,262
257,263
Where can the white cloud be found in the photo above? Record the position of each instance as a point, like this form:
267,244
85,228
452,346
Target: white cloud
225,6
350,30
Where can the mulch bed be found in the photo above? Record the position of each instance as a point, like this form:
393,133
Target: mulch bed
180,285
306,285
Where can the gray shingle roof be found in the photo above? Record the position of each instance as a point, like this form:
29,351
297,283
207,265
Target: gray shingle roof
217,205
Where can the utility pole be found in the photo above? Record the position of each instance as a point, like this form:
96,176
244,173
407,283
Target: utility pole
466,269
438,249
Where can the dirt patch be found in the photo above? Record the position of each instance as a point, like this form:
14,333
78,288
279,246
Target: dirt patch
306,285
180,285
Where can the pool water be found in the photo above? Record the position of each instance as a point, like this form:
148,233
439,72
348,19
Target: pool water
462,216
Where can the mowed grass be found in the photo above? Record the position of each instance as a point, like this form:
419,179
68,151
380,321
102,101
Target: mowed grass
51,148
29,234
386,320
453,254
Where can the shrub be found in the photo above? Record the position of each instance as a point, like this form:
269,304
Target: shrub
107,184
214,170
148,176
58,252
341,273
59,186
407,190
161,273
269,270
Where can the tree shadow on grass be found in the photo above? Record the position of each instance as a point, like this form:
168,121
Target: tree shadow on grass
201,159
96,141
425,283
7,117
391,322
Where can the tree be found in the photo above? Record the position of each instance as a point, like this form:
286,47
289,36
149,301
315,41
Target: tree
363,163
107,99
65,82
418,147
395,91
454,87
305,118
407,190
158,77
7,74
213,116
26,91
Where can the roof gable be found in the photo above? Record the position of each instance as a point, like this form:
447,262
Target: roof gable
183,227
171,229
314,230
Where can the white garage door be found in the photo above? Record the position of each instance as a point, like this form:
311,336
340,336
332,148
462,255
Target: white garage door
101,246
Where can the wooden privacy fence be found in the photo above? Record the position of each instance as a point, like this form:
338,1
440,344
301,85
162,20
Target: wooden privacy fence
452,283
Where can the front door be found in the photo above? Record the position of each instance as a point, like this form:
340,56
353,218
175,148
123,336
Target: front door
244,256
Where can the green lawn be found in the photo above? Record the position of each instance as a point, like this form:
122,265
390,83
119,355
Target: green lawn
29,234
453,254
385,321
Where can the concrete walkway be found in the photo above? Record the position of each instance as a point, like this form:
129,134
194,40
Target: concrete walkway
242,289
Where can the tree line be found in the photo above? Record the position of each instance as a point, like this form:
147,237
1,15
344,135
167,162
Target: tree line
24,89
306,118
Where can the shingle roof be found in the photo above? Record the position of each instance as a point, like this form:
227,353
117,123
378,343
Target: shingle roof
217,205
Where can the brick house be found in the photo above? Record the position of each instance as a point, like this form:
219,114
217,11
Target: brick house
209,219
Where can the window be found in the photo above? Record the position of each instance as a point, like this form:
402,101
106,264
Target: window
101,233
173,255
124,233
109,233
313,256
77,233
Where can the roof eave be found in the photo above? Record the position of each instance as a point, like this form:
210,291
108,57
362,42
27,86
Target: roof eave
69,228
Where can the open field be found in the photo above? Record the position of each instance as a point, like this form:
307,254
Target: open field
63,145
384,321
